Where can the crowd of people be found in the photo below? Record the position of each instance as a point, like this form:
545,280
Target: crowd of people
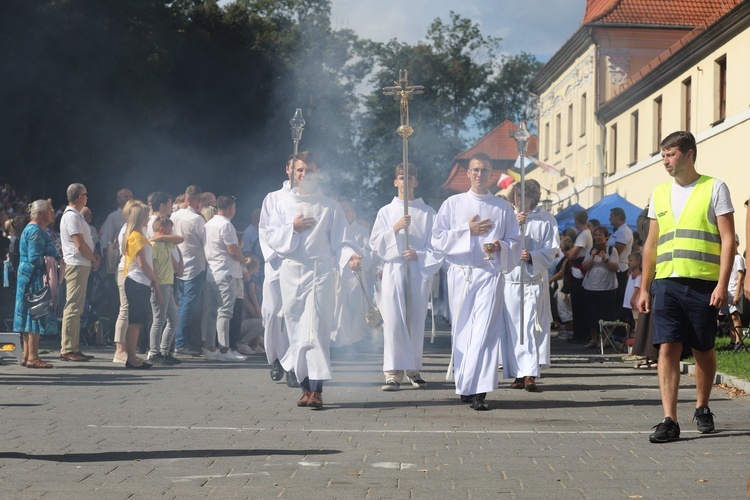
307,276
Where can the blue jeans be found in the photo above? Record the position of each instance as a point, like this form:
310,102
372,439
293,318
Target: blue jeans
188,295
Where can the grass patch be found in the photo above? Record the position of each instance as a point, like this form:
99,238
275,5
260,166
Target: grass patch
735,364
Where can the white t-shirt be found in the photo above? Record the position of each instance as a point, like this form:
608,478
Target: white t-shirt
220,233
737,266
190,225
633,283
585,241
72,222
623,235
599,277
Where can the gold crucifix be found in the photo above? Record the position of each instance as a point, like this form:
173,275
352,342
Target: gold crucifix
403,91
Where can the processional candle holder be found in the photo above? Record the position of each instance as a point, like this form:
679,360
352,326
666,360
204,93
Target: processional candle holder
297,125
522,137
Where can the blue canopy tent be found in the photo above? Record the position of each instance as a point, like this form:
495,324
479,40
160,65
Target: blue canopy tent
565,217
601,210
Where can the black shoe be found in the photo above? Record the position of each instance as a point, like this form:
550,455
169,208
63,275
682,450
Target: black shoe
479,403
705,420
467,398
666,430
277,372
158,359
417,381
172,359
291,380
144,366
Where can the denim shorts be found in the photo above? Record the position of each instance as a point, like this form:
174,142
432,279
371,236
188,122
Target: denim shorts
681,312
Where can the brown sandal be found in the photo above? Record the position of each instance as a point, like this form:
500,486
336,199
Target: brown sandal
24,361
38,363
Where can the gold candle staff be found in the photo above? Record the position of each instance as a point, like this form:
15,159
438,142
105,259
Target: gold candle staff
403,91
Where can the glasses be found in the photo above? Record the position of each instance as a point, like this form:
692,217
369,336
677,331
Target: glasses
479,171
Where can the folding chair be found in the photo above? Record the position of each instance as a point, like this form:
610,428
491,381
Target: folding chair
606,331
744,334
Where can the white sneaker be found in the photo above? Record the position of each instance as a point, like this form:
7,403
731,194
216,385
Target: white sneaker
231,355
211,355
245,349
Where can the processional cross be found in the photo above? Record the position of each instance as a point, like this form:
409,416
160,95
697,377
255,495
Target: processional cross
403,91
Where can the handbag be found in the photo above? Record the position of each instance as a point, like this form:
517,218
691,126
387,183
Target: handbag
373,317
39,303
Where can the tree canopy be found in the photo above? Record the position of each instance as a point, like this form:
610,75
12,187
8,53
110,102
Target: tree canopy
158,94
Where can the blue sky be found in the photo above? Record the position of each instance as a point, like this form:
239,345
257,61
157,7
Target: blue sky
539,27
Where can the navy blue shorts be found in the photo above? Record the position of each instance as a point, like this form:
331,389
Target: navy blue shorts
681,312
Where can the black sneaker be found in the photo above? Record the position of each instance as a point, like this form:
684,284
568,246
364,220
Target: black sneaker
277,372
479,403
172,359
291,380
158,359
666,430
705,420
417,381
467,398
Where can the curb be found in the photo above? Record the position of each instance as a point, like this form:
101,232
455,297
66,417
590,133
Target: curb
721,378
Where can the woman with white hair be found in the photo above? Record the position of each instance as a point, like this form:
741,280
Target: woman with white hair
34,245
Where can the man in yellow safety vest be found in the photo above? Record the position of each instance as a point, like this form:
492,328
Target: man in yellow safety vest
687,260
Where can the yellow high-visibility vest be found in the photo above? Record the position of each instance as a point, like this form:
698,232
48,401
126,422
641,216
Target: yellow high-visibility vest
691,247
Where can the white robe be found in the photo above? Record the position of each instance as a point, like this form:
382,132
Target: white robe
276,339
525,360
306,277
403,346
475,292
351,304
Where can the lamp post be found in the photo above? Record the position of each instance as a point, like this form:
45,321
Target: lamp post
298,125
547,203
522,137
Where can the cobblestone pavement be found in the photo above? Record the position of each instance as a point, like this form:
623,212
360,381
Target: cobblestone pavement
225,430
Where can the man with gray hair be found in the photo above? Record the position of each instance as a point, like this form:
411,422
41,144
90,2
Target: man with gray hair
80,259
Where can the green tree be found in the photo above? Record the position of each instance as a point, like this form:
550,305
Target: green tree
507,96
452,64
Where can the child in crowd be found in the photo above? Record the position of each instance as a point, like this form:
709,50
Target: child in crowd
735,286
633,290
166,264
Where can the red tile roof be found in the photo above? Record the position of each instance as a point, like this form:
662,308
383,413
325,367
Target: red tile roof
656,12
499,145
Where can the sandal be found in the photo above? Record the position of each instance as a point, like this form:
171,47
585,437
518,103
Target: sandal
645,365
24,361
37,363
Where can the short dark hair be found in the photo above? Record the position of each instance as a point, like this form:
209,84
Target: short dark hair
224,202
304,156
193,193
158,199
581,217
483,157
682,140
400,170
618,212
602,229
533,193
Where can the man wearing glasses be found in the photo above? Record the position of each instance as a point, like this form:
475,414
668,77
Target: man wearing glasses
479,236
79,257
